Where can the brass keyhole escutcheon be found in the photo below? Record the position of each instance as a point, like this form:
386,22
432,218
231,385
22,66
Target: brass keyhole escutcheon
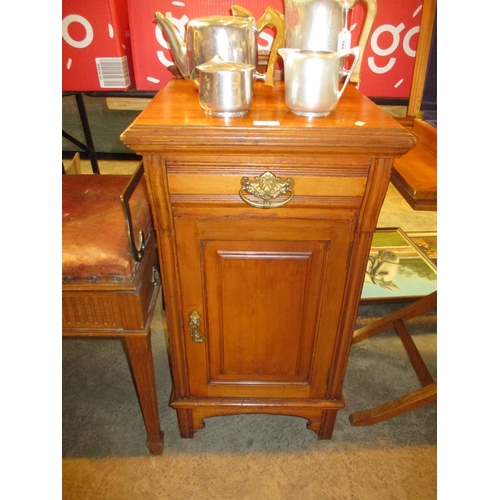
194,327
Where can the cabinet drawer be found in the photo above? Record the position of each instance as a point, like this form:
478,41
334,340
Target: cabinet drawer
340,185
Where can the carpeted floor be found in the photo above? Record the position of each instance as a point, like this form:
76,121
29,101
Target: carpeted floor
246,456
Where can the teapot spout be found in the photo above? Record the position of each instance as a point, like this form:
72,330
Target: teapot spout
176,43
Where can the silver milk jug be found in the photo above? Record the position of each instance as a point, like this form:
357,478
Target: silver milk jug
322,25
312,80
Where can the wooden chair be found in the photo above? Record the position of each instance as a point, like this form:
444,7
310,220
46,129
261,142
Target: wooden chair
415,176
415,399
110,285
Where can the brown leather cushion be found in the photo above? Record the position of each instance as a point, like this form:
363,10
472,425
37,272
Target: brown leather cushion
94,232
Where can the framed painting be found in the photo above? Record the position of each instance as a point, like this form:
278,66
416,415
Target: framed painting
401,266
426,242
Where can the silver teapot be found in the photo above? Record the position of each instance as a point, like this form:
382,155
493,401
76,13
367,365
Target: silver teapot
232,38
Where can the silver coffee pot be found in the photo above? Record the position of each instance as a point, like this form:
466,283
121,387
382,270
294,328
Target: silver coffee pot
322,25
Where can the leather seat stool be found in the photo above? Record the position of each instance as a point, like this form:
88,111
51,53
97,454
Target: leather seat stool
110,285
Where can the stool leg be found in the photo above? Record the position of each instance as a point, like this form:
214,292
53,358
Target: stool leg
140,355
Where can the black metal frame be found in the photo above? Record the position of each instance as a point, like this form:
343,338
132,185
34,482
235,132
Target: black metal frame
89,148
89,151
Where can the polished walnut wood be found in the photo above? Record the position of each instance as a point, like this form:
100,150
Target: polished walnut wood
261,303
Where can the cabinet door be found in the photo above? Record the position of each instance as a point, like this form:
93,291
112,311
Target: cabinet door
268,294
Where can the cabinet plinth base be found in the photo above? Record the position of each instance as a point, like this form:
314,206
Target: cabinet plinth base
192,412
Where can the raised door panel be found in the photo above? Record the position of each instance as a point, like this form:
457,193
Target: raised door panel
269,297
261,302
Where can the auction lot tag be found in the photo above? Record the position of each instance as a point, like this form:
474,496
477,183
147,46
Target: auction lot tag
344,40
266,123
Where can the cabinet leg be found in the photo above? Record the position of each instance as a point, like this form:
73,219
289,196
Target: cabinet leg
185,421
139,352
322,423
327,424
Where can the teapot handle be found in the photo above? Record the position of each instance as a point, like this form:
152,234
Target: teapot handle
272,17
371,13
352,52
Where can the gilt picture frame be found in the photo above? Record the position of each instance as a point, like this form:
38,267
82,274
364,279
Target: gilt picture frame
401,267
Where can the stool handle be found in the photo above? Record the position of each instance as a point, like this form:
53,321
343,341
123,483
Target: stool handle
138,252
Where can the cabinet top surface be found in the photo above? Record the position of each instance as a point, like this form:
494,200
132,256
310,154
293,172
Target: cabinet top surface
175,113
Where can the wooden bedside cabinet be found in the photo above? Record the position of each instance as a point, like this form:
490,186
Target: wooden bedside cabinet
264,226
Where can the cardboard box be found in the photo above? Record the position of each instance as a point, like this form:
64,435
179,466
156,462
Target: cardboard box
389,58
150,50
96,49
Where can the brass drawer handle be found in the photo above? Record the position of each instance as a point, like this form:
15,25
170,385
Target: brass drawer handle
194,327
267,187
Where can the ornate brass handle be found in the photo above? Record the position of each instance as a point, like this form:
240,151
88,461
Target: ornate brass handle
194,327
267,187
